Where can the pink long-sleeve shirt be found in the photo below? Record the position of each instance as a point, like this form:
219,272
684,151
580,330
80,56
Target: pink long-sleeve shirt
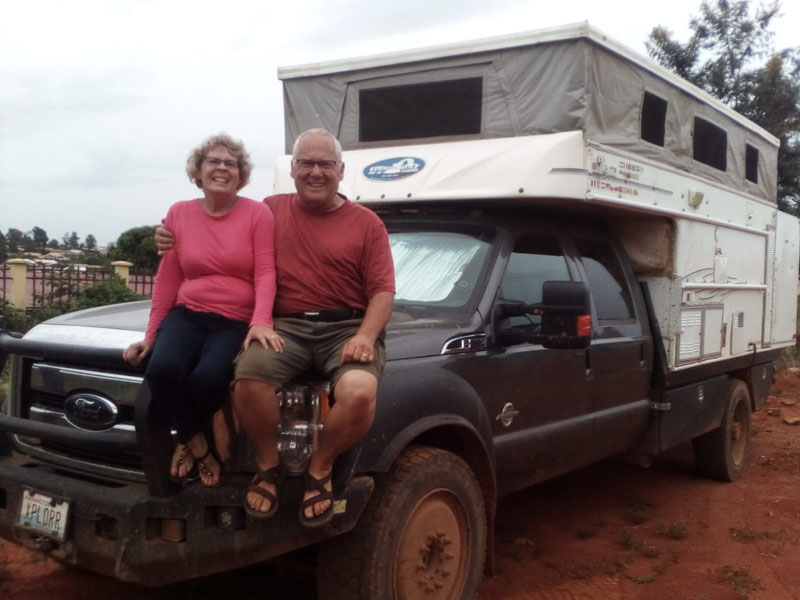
223,265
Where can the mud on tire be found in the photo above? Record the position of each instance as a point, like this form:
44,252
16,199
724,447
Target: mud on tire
725,452
423,534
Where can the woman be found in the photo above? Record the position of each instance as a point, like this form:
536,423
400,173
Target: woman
218,280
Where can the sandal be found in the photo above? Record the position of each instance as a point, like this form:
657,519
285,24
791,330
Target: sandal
318,485
184,456
271,476
203,469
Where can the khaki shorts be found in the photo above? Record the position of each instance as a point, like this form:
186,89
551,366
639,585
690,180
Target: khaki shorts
307,346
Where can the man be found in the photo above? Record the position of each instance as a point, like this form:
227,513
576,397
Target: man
335,291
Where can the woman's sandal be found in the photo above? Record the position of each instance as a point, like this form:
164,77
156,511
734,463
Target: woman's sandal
184,456
318,485
271,476
203,469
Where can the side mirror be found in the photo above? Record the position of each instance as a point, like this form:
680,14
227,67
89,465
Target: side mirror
565,313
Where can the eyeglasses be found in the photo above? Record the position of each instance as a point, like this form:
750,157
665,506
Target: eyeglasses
306,164
215,162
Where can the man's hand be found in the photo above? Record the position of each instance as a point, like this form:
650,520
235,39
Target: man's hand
136,352
164,239
359,348
265,336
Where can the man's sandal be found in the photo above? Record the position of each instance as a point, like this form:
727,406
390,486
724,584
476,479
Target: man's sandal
271,476
203,469
185,456
318,485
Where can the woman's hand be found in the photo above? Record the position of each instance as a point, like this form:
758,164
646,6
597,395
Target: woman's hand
136,352
265,336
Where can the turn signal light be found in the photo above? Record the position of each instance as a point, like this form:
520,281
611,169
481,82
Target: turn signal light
584,325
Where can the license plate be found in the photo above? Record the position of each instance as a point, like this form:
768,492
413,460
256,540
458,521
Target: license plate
43,514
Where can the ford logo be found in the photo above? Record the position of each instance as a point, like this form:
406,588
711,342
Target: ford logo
394,168
90,411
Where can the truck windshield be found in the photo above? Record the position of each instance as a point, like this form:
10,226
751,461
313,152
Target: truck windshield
437,268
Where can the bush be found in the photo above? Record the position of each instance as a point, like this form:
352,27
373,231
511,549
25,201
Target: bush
13,318
109,291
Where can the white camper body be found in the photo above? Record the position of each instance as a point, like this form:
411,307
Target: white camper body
568,120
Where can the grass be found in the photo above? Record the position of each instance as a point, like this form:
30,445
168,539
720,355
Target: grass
745,534
585,533
741,580
673,531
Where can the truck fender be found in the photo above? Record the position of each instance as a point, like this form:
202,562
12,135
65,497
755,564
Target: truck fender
414,401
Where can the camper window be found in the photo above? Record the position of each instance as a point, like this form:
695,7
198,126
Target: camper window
654,118
710,144
421,110
751,163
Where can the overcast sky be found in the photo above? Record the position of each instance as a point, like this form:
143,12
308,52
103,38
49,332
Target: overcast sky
101,101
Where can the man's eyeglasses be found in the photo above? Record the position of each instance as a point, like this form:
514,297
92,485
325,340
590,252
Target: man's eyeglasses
215,162
306,164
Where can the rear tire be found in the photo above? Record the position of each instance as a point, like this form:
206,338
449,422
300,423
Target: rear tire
724,453
422,535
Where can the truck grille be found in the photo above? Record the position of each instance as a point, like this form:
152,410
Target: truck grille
83,400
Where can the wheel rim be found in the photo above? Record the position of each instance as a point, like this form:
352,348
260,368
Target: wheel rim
739,438
433,550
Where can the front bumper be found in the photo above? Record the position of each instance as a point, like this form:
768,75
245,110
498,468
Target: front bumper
115,528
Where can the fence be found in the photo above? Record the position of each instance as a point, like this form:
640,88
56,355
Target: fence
29,285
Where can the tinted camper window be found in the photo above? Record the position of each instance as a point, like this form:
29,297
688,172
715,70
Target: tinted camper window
654,118
710,144
420,110
751,163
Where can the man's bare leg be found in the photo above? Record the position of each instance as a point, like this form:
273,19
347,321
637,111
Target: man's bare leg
256,406
346,423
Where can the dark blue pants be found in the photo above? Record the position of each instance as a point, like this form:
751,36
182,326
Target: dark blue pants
191,367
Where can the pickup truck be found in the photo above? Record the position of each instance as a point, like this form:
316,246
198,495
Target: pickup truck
561,298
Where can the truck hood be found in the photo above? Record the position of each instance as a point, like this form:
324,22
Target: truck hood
118,325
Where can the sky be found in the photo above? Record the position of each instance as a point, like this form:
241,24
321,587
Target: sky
101,101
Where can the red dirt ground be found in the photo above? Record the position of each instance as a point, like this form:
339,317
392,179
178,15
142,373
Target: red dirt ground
609,532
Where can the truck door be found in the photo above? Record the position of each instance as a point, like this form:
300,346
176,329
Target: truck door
618,362
539,401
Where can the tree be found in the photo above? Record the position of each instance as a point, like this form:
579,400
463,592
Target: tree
3,247
71,241
137,246
15,239
91,242
729,54
39,238
53,244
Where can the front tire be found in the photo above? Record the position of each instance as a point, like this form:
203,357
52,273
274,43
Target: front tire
423,535
724,453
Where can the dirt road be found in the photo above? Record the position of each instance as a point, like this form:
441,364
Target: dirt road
608,532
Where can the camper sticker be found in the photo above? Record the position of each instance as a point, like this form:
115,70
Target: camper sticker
394,168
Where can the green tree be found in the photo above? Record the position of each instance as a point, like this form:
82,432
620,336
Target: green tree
39,238
71,241
137,246
730,55
90,242
53,244
3,247
14,239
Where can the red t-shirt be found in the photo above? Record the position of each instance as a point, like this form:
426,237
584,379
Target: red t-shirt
223,265
328,260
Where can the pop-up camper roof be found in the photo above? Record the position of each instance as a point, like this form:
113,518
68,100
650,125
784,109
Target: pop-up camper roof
564,79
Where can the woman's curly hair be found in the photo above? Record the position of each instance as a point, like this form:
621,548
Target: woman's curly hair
235,147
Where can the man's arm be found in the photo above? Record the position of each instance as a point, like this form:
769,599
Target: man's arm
360,347
164,239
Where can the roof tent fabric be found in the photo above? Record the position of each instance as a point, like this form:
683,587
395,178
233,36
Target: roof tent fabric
575,80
